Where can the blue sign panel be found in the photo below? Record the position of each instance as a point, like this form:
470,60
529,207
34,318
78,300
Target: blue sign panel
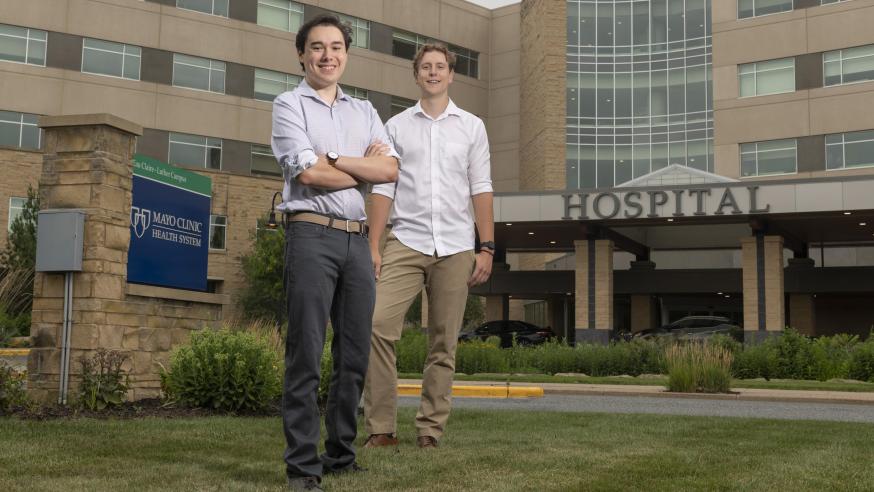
169,223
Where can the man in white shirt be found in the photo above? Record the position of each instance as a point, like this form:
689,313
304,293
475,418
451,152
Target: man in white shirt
445,155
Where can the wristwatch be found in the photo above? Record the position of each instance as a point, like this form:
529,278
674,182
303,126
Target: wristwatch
490,245
332,157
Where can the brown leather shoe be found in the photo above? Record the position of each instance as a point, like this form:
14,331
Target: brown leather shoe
426,442
380,441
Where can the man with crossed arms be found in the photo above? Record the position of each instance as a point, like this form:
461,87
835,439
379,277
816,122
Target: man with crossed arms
445,155
329,146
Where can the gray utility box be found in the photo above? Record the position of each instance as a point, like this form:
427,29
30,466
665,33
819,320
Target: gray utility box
59,240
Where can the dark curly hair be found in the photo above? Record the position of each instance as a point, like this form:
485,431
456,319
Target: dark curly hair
321,20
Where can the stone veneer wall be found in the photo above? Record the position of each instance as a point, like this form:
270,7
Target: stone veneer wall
87,165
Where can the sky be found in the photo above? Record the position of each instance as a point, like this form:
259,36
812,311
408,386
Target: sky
493,4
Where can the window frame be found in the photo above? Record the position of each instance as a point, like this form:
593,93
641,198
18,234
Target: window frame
27,42
254,150
756,152
755,72
209,70
213,226
212,10
756,16
843,146
21,123
206,146
18,209
124,56
355,23
289,10
287,81
840,62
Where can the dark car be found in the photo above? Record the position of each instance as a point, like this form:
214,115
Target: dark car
694,328
522,332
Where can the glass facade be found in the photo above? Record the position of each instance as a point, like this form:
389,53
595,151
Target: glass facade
639,89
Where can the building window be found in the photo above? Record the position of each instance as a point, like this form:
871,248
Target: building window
263,161
360,30
23,45
406,45
269,84
280,14
195,151
768,158
19,130
848,65
198,73
356,92
846,150
214,7
466,61
755,8
218,225
399,104
113,59
16,208
767,77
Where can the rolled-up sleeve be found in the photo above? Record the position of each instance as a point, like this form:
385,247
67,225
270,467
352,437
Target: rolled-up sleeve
479,172
289,139
384,135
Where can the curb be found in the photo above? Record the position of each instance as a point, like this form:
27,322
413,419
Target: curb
14,352
479,391
738,395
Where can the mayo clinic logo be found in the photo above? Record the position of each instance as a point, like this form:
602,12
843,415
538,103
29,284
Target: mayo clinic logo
140,218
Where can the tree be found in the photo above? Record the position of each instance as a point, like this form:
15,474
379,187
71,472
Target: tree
20,252
263,296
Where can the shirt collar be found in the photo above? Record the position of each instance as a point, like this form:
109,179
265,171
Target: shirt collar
451,110
307,90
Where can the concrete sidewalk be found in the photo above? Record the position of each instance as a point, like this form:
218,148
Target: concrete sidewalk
488,390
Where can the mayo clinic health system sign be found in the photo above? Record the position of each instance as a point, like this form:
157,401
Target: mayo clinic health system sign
169,223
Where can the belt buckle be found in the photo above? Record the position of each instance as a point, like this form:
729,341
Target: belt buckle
347,226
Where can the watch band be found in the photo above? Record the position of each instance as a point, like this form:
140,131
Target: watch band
490,245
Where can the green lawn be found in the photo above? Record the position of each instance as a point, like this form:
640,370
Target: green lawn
658,380
482,451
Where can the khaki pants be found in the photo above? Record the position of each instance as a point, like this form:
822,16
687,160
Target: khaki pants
404,272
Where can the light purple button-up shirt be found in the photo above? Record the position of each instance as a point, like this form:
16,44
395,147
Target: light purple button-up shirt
305,126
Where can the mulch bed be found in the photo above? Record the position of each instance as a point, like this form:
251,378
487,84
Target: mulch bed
154,407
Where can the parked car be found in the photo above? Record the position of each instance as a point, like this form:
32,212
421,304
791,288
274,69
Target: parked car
522,332
694,328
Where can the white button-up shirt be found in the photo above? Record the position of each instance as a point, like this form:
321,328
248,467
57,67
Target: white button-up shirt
445,161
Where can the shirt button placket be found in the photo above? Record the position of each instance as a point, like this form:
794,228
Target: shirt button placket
436,158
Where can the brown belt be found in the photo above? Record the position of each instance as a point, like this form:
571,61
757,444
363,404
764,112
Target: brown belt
353,226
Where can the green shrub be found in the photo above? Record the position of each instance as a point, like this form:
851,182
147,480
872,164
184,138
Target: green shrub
726,342
831,356
104,383
793,356
476,356
755,361
411,350
861,364
698,368
12,392
223,370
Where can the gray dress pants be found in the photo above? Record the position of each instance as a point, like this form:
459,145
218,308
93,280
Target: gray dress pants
329,274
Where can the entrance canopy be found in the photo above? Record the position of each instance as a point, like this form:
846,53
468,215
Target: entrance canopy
679,208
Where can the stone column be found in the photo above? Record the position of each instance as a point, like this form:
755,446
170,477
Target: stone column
594,290
763,288
802,313
86,165
643,312
494,308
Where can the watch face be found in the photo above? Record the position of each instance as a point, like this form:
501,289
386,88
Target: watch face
333,156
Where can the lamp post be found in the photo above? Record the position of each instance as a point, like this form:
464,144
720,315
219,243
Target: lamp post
271,219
